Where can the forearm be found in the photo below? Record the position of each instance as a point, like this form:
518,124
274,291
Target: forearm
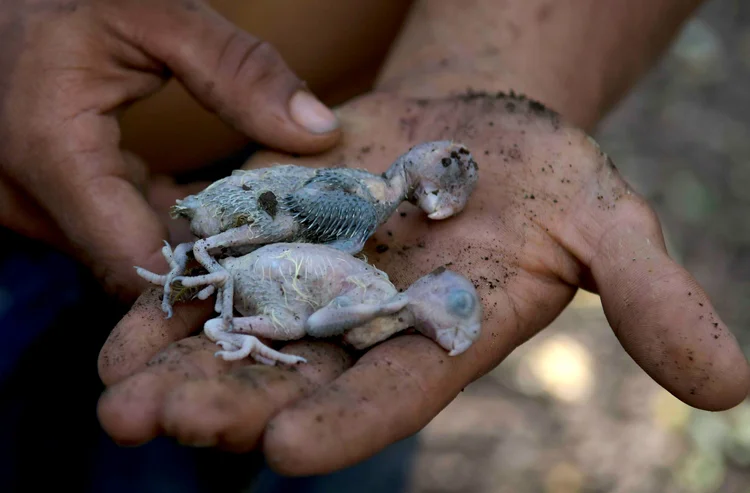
577,56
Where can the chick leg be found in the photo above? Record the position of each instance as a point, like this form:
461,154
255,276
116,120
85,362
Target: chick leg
236,237
238,346
287,328
177,260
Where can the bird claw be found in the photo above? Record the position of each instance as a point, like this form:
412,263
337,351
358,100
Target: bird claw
227,346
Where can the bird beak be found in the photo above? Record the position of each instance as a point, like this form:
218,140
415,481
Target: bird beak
431,204
463,339
443,213
455,341
460,347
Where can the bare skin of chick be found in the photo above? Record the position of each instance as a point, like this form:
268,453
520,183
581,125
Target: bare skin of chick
286,291
341,207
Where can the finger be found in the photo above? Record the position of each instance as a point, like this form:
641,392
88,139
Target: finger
130,410
388,395
232,411
162,195
663,318
238,76
82,181
660,314
21,214
161,192
144,331
393,391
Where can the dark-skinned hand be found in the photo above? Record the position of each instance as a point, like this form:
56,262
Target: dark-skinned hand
551,214
68,68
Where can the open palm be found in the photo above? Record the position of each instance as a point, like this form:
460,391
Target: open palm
550,215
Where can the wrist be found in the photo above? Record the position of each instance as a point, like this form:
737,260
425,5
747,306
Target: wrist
580,107
578,57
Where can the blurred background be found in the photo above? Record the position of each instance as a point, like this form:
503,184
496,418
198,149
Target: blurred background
570,412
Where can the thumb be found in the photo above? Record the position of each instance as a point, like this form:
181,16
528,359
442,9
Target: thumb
662,316
234,74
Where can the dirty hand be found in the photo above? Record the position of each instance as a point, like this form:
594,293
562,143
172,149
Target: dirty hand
550,215
68,69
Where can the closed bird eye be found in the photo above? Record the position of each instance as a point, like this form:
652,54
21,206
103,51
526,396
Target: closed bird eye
460,302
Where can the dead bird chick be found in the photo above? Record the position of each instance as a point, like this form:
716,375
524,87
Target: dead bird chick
340,207
285,291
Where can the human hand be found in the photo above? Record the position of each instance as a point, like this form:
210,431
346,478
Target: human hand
550,215
69,68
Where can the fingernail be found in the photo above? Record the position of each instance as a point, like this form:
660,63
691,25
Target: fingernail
310,113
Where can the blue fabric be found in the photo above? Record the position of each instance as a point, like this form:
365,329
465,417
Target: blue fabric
156,467
35,285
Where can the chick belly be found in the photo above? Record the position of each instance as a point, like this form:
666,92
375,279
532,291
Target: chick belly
275,290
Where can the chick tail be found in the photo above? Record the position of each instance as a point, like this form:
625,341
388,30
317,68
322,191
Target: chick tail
184,208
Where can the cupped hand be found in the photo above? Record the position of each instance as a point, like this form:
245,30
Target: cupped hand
551,214
69,68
